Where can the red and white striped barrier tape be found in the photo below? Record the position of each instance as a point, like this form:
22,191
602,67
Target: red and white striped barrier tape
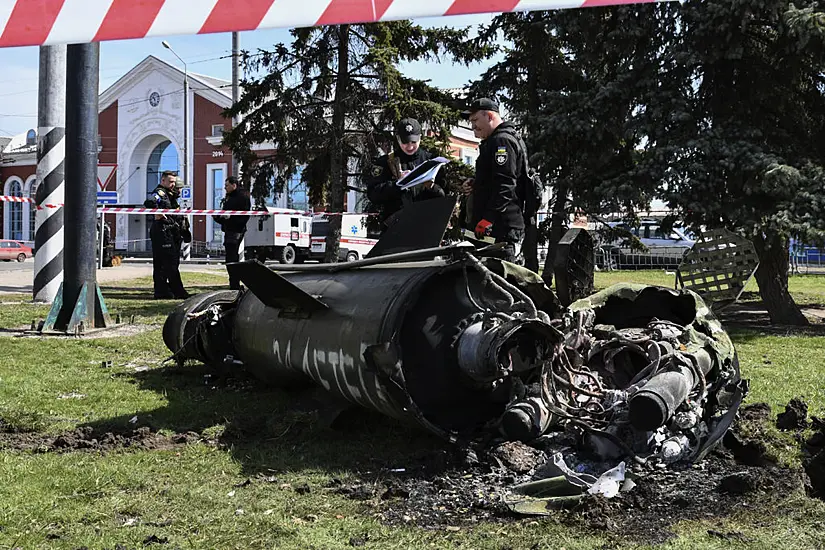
180,212
183,212
36,22
4,198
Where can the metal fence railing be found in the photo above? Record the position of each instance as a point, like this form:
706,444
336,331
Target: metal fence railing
613,258
806,259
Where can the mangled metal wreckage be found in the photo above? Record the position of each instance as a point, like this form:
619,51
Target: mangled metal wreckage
476,349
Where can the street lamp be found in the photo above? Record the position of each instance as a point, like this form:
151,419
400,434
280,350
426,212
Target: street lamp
185,113
186,248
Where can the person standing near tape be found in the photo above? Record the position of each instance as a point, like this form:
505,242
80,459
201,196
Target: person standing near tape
167,234
234,227
386,170
495,200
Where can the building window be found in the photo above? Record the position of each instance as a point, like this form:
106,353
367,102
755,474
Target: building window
216,181
295,195
15,211
217,130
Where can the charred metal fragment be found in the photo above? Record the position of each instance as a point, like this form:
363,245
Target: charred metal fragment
396,338
474,349
573,265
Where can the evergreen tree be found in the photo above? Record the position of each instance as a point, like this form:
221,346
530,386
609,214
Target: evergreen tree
328,102
741,127
579,103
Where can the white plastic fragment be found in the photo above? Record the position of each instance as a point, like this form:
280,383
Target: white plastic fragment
609,483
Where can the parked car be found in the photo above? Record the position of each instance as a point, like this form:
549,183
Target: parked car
665,249
14,250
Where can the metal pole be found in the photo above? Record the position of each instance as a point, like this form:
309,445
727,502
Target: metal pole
236,76
51,122
100,240
80,278
185,125
186,249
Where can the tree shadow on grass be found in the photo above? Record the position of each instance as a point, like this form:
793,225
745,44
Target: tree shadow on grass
139,302
268,428
750,319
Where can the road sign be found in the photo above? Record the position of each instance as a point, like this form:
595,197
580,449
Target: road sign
107,197
105,173
186,193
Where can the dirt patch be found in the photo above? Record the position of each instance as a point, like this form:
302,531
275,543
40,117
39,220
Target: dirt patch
814,463
453,489
795,416
755,412
468,495
87,439
518,457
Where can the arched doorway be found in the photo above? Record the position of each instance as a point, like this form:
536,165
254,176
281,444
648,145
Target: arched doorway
162,158
141,173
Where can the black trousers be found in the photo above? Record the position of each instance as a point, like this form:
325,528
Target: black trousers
232,247
166,263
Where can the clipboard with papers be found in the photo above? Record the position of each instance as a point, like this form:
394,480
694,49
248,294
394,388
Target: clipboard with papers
424,172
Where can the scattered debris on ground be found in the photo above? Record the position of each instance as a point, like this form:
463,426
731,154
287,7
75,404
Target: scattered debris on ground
814,462
795,416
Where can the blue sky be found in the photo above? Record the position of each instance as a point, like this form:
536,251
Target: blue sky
18,93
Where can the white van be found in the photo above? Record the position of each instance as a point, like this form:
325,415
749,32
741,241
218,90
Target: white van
284,236
356,239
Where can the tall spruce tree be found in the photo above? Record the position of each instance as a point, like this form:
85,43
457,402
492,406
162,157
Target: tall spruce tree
741,126
328,100
579,102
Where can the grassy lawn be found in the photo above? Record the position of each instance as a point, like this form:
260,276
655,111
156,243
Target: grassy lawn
258,470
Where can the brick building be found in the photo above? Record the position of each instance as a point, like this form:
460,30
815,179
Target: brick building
141,133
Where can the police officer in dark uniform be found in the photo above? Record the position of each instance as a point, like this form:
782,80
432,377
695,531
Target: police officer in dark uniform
386,170
167,234
234,227
495,200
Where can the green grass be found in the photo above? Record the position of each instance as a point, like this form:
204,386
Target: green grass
806,289
98,500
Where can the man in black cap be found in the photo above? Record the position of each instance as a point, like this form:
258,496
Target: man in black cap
167,234
495,199
386,170
234,227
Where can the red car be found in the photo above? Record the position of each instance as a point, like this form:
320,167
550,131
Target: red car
14,250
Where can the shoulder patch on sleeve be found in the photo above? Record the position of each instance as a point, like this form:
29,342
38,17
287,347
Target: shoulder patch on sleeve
501,155
377,170
161,193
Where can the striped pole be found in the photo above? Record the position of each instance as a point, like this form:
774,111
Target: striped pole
51,153
186,250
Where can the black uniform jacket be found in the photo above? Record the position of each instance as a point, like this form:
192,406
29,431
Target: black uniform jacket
161,197
495,195
386,170
236,200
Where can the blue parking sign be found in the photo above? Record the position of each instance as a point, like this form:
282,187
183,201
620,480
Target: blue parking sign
107,197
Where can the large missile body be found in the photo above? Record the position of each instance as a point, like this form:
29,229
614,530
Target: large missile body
422,340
